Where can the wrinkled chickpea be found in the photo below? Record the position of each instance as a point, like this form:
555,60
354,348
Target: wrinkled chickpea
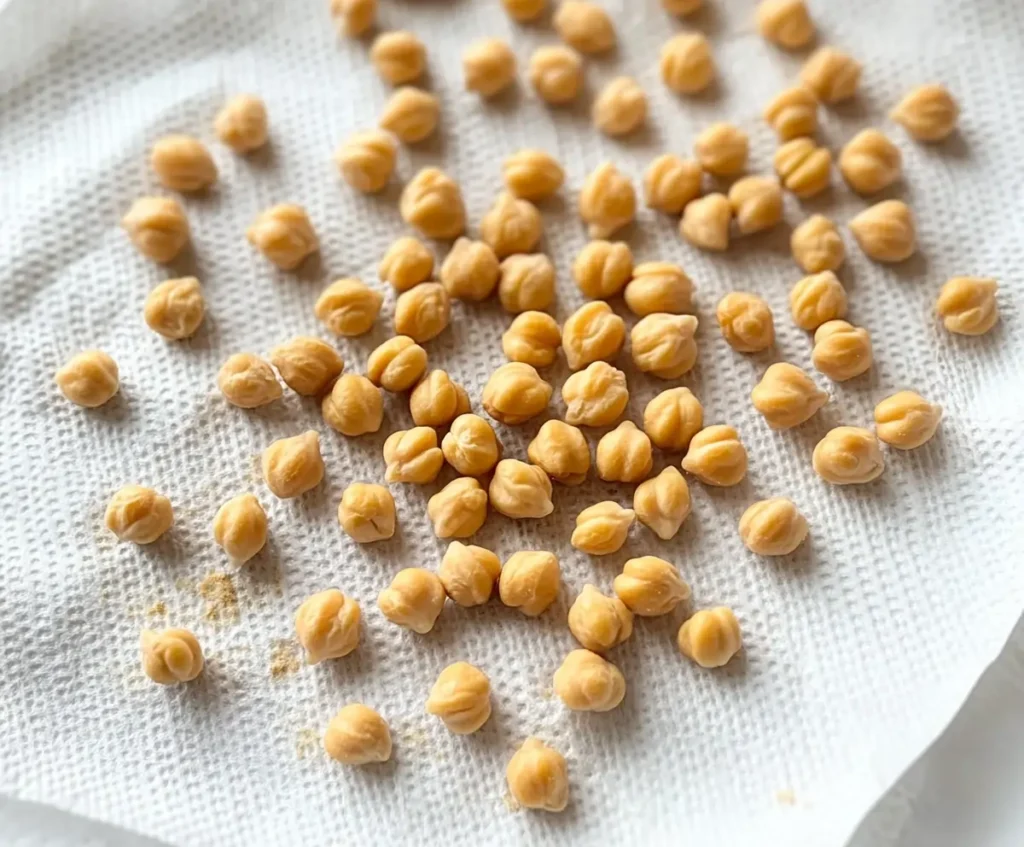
527,283
785,22
354,17
412,455
519,490
397,364
158,228
595,396
585,682
182,163
307,365
686,63
327,625
663,503
511,226
599,622
602,269
671,182
175,308
672,418
533,338
705,222
561,451
138,514
399,57
529,581
240,527
716,456
367,512
848,455
620,107
524,10
722,149
354,407
602,528
459,509
773,527
711,637
171,656
431,202
607,201
886,231
284,235
410,114
906,420
841,351
515,393
422,312
831,74
756,203
786,396
746,322
437,400
650,586
357,735
584,25
242,123
414,599
407,262
470,271
803,167
624,454
348,307
659,287
870,162
469,573
817,299
967,305
792,113
556,74
928,112
664,345
488,66
247,381
461,698
88,379
532,174
817,245
470,445
537,775
592,333
293,466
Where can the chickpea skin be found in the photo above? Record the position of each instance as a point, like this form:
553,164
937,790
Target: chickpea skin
461,698
88,379
773,527
348,307
399,57
533,338
705,222
307,365
905,420
412,455
470,446
602,529
786,23
411,115
527,283
804,168
586,682
367,512
786,396
848,455
746,322
182,163
672,418
414,600
437,400
968,306
624,454
607,201
595,396
929,113
532,174
470,270
602,269
620,107
366,159
599,622
870,162
711,637
816,300
469,573
716,456
831,74
397,364
659,287
284,234
671,182
240,527
357,735
515,393
592,333
584,26
529,581
407,262
756,203
138,514
519,490
556,73
793,113
686,63
817,245
327,626
488,66
650,586
511,226
293,466
664,345
841,350
158,228
663,503
354,406
537,777
722,149
431,203
175,308
561,451
247,381
422,312
171,656
459,509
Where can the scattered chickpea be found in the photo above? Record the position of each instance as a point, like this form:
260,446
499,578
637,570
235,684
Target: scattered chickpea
711,637
431,202
599,622
411,115
602,528
242,123
620,107
602,269
367,512
327,625
399,57
705,222
817,246
663,345
841,350
469,573
527,283
650,586
663,503
414,599
848,455
488,66
348,307
88,379
524,10
354,407
354,17
886,231
746,322
240,527
686,64
459,509
556,74
592,333
584,26
293,466
532,174
803,167
533,338
397,364
171,656
595,396
247,381
785,22
786,396
659,287
967,305
470,445
906,420
461,698
284,235
138,514
437,400
870,162
412,455
756,203
792,113
470,270
407,262
158,228
519,490
585,682
537,775
817,299
422,312
671,182
515,393
529,581
928,112
511,226
561,451
672,418
831,74
175,308
716,456
357,735
607,201
624,454
682,8
722,149
773,527
182,163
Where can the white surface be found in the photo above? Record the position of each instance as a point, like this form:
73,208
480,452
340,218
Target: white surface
859,649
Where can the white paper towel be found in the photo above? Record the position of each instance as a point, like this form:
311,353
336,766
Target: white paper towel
858,648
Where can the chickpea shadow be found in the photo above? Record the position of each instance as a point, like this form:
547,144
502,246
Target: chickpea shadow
263,571
186,263
210,691
857,108
708,19
913,269
954,146
116,411
264,158
312,269
506,101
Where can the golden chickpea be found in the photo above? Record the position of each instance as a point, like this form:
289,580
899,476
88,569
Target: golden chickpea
686,64
870,162
595,396
524,10
354,407
906,420
357,735
599,622
437,400
585,682
848,455
620,107
624,454
511,226
756,203
459,509
327,625
293,466
247,381
284,235
792,113
397,364
537,775
182,163
348,307
138,514
785,22
716,456
705,222
240,527
532,174
886,231
431,202
607,201
527,283
171,656
519,490
671,182
470,271
399,57
786,396
841,351
411,114
711,637
367,512
746,322
412,455
469,573
414,600
556,74
158,228
366,159
515,393
817,246
659,287
529,581
88,379
773,527
592,333
721,149
307,365
803,167
561,451
407,262
242,123
650,586
488,66
354,17
663,503
461,698
831,74
682,8
603,268
928,112
602,528
533,339
584,25
967,305
672,418
422,312
470,446
663,345
817,299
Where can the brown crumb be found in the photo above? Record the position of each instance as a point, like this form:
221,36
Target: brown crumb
284,658
157,610
785,797
510,802
307,743
221,600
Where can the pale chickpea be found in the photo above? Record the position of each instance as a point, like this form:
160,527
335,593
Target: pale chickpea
348,307
746,322
671,182
711,637
624,454
602,269
595,396
397,364
786,396
399,57
592,333
240,527
519,490
586,682
721,149
599,622
307,365
968,305
607,201
705,222
524,10
410,114
515,393
357,735
470,445
511,226
817,299
620,107
870,162
437,400
773,527
469,573
756,203
284,234
792,113
470,271
785,22
461,698
431,202
527,283
247,381
817,245
672,418
803,167
716,456
422,312
831,74
650,586
293,466
537,775
138,514
556,73
327,625
561,451
886,232
354,406
602,528
584,25
366,159
848,455
412,455
663,503
529,581
533,338
171,656
367,512
686,63
459,509
841,350
488,66
182,163
406,263
158,228
414,600
659,287
354,17
928,113
905,420
664,345
89,379
532,174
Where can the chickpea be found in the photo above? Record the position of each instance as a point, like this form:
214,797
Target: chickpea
354,407
705,222
182,163
293,466
595,396
793,113
620,107
603,268
470,446
663,345
624,454
607,201
519,490
831,74
803,167
138,514
659,287
650,586
529,581
787,396
816,300
524,10
158,228
511,226
746,322
663,503
357,735
722,149
756,203
928,112
469,573
240,527
532,174
327,625
599,622
488,66
411,115
242,123
461,698
431,202
817,246
422,312
88,379
671,182
848,455
785,22
537,774
841,350
307,365
527,283
592,333
870,162
354,17
602,528
437,400
967,305
556,74
399,57
672,418
284,235
533,339
397,364
470,271
686,64
406,263
906,420
515,393
171,656
247,381
585,26
773,527
412,455
711,637
716,456
367,512
459,509
414,600
561,451
886,231
588,683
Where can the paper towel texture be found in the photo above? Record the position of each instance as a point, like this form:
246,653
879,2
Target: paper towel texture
859,647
